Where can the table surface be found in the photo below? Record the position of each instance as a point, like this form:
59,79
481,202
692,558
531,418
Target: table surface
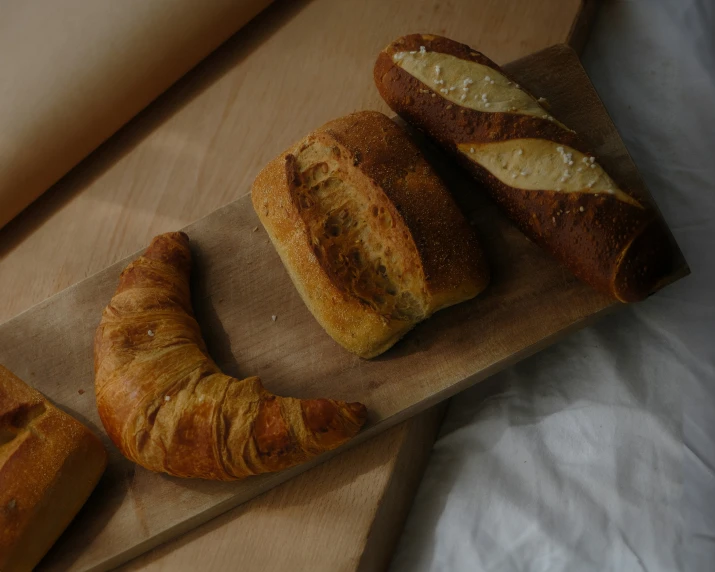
170,166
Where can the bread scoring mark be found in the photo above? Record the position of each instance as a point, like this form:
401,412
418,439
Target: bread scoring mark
15,421
470,84
542,165
354,235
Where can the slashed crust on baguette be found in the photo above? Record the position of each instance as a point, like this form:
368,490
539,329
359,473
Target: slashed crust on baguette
541,173
535,164
469,84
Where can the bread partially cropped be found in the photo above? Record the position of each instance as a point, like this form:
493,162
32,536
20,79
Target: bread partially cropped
543,174
370,236
49,464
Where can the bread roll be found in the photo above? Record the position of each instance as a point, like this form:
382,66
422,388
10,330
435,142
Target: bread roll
369,234
49,463
539,171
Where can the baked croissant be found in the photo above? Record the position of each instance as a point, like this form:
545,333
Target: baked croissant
168,407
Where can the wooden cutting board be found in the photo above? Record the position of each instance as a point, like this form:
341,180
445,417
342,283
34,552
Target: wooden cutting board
187,155
309,522
127,191
240,284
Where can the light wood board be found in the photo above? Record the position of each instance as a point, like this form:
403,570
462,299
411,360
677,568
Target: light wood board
134,187
240,284
333,524
357,526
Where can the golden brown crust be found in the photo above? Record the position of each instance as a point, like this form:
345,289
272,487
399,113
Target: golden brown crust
432,258
49,464
168,407
596,236
447,246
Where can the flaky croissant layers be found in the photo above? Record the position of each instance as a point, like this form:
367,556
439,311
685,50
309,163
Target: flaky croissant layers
168,407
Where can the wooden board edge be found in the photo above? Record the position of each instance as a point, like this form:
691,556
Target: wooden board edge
396,501
394,449
582,24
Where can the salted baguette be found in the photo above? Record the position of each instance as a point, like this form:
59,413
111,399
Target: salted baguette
49,464
369,234
539,171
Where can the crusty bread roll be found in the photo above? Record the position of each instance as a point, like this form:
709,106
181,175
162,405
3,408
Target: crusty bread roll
369,234
49,463
538,170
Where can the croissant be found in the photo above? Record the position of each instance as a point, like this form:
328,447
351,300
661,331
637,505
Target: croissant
168,407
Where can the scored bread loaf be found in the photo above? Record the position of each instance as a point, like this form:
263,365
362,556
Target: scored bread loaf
539,171
370,236
49,464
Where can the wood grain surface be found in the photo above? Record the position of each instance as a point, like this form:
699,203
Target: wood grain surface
240,283
334,524
170,166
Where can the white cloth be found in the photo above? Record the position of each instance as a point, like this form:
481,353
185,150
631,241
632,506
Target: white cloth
599,453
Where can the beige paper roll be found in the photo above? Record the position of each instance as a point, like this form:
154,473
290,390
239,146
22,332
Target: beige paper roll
72,72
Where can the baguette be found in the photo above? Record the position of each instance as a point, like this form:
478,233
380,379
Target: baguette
539,171
370,236
49,464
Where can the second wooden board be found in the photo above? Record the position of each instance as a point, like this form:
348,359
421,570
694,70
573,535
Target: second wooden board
240,284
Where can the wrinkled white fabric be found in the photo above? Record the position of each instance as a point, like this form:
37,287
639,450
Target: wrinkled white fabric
599,453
